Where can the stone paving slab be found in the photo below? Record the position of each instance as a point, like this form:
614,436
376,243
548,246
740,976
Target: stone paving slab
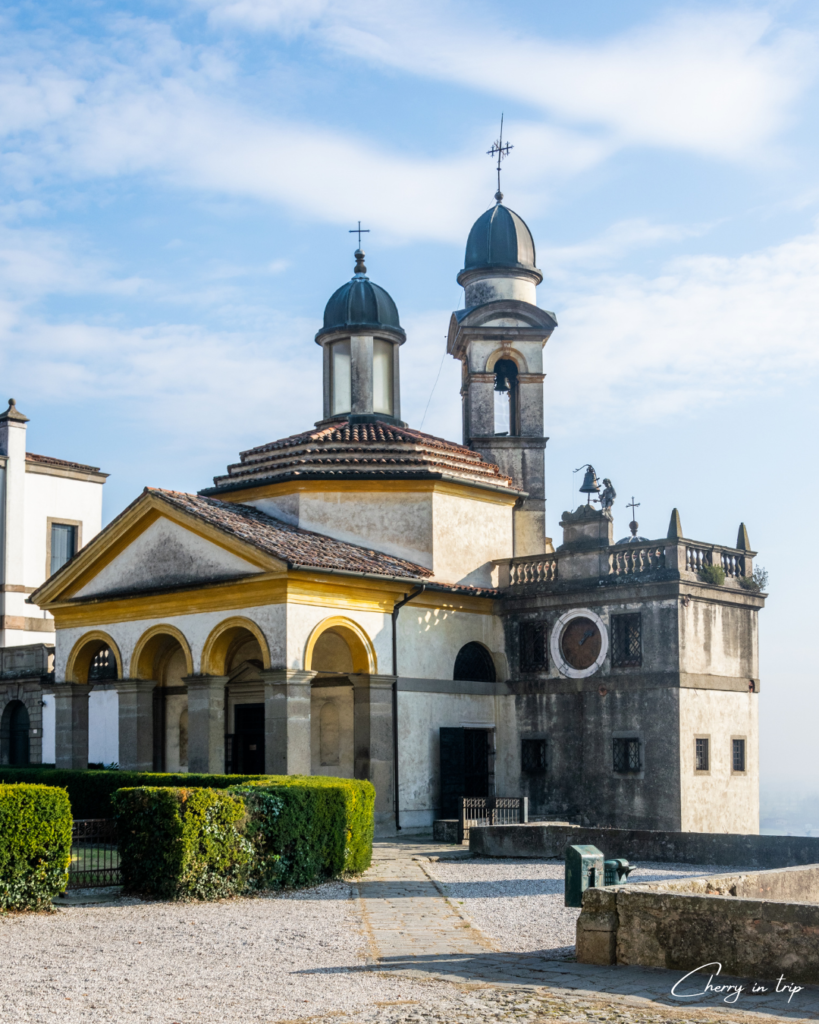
416,931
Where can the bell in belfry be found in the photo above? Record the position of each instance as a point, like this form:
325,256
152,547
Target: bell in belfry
590,485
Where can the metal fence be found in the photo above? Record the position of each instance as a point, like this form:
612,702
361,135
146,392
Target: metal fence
491,810
94,854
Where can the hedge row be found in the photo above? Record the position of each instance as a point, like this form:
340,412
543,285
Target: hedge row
35,845
91,792
182,843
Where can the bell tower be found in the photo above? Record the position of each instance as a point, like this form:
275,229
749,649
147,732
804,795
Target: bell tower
499,337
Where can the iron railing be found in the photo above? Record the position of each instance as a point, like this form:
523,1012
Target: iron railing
491,810
94,854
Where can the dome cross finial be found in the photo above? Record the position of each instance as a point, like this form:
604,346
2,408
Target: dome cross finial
359,255
502,151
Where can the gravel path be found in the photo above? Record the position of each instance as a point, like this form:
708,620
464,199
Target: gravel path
519,903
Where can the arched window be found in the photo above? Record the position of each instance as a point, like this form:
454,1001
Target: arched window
14,730
506,398
474,662
103,666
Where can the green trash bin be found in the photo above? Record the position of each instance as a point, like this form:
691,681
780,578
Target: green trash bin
584,870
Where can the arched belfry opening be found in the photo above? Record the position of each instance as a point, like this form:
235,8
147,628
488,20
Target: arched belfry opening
507,416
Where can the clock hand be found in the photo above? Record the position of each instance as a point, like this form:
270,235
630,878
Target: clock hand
585,637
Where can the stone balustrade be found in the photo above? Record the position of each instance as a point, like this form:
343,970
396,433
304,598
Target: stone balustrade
637,558
533,569
732,560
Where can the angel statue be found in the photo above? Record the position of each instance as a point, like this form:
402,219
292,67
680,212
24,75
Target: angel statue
607,495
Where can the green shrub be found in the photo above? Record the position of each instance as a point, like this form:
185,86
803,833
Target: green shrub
712,574
179,843
35,845
757,581
358,797
90,793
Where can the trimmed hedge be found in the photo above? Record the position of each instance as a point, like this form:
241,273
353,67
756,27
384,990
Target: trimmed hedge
35,845
91,795
182,843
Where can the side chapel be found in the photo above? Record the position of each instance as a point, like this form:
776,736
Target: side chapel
362,599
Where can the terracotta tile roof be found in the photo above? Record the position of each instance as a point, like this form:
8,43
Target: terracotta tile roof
295,546
363,450
62,463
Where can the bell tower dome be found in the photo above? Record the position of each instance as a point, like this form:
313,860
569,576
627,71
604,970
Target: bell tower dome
360,339
499,337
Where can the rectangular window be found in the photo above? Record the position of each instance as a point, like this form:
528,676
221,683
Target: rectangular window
627,755
626,641
533,756
533,649
340,378
738,755
382,376
702,761
63,544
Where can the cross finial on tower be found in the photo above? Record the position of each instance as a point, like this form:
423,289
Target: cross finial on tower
633,525
502,151
359,231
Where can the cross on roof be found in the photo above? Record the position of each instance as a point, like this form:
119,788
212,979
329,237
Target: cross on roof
633,505
502,151
359,231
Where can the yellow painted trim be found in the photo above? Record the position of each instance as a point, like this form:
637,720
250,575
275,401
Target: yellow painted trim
82,654
215,651
361,647
338,592
114,539
143,672
367,487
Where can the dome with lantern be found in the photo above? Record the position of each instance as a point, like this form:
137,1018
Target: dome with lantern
360,304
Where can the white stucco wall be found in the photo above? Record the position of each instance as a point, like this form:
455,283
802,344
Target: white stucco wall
429,640
103,727
718,639
719,801
467,536
49,730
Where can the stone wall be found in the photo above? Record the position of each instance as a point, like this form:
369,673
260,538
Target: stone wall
689,923
543,840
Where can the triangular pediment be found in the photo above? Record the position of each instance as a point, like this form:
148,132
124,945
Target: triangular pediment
154,546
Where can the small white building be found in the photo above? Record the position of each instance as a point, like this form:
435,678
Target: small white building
49,508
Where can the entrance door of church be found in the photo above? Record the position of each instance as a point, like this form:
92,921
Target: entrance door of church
466,766
248,740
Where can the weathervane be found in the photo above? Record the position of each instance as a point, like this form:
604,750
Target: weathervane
502,151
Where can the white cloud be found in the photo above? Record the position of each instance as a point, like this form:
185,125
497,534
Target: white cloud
717,82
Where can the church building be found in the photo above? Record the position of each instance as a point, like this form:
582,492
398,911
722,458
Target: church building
361,599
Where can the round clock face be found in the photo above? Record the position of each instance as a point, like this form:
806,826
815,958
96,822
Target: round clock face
581,642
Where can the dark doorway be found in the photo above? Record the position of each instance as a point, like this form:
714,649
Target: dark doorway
247,755
15,733
474,663
466,767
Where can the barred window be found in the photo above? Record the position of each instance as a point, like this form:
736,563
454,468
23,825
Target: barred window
701,758
738,755
103,667
626,640
533,756
627,755
533,649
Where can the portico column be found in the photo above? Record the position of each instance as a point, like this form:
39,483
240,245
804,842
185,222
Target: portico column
287,721
71,722
136,724
373,741
206,724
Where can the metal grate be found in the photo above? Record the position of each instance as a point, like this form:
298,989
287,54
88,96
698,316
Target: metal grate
738,752
94,854
491,810
103,667
627,755
626,641
533,756
533,649
701,754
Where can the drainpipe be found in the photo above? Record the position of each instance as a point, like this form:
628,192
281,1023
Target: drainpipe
396,608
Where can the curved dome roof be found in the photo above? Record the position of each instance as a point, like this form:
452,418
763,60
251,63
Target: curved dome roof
360,303
500,238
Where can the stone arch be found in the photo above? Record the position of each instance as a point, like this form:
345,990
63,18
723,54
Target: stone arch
505,352
474,662
218,645
14,734
83,653
153,645
362,652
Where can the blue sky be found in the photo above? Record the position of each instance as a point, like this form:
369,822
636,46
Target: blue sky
178,181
